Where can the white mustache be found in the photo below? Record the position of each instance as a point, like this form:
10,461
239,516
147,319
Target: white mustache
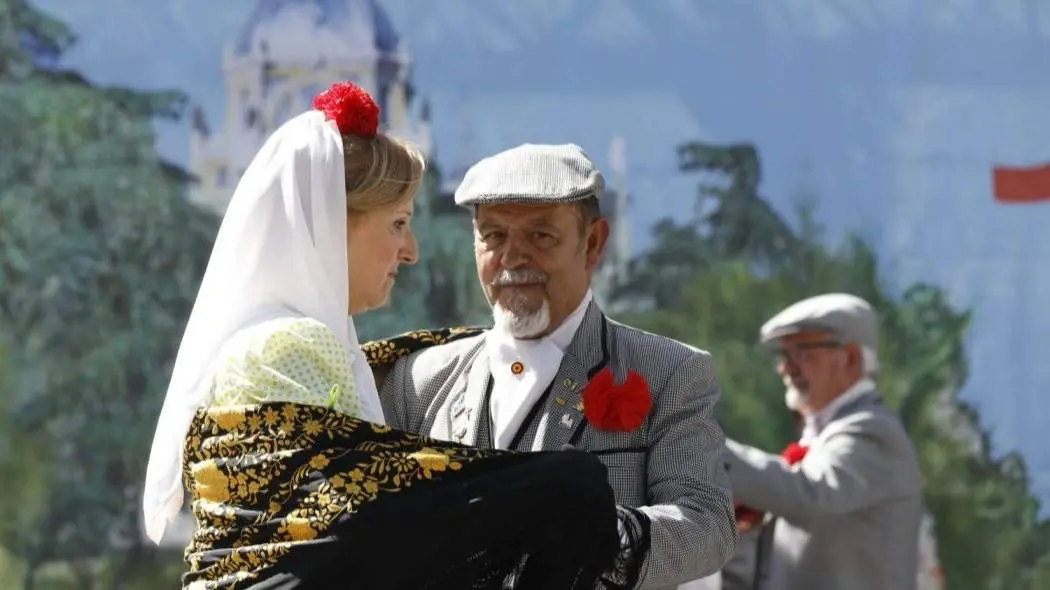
519,277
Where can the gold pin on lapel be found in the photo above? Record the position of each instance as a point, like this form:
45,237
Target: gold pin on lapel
559,400
579,407
569,384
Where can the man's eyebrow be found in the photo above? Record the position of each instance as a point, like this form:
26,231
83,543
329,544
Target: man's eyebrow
544,223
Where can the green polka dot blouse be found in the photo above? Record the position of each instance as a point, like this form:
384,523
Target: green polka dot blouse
296,360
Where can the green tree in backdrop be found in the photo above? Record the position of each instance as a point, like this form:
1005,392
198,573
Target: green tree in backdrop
714,280
100,258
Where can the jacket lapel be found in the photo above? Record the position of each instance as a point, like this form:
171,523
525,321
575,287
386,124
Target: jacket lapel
562,416
465,406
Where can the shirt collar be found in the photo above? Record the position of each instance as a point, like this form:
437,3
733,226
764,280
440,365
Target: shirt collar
562,335
818,421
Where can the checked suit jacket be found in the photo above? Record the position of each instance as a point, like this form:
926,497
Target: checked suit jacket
670,468
848,515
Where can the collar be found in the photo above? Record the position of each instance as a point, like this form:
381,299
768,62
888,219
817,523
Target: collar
562,335
817,422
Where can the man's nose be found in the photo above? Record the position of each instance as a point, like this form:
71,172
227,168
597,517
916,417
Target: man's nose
514,254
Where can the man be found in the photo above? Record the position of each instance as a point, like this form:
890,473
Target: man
539,237
848,509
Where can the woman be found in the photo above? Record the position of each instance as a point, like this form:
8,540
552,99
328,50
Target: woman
273,420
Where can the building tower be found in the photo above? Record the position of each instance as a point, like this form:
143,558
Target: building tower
285,54
616,209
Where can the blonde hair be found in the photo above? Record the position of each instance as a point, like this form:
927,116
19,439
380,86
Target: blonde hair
380,172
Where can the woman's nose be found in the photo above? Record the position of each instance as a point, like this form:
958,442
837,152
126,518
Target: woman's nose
410,251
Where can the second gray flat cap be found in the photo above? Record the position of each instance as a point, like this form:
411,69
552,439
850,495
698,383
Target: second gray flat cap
847,317
532,173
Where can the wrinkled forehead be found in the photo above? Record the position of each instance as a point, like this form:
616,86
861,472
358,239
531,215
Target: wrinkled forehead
524,214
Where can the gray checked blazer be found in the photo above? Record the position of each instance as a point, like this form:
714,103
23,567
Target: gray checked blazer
670,468
848,516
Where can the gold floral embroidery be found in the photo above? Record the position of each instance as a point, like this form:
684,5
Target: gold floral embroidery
431,460
229,418
298,529
210,483
249,466
381,353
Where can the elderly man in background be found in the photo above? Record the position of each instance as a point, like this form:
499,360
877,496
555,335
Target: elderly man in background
847,498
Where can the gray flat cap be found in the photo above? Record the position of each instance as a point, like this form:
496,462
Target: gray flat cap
532,173
847,317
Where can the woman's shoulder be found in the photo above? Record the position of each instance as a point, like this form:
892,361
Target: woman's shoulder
298,327
285,335
293,359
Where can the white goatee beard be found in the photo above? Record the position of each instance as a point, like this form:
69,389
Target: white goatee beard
794,399
522,325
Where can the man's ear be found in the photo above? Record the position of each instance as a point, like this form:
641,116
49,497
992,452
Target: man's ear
855,358
597,237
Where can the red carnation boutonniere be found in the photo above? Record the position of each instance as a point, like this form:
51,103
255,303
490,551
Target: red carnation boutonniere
794,453
749,517
617,408
353,109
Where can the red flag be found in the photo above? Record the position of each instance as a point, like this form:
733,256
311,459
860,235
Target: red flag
1015,184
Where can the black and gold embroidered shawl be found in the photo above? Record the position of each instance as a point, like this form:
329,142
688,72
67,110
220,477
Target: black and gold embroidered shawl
293,496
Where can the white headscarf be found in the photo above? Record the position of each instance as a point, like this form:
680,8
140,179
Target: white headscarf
280,251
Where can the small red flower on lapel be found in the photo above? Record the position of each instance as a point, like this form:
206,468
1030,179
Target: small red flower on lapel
794,453
619,408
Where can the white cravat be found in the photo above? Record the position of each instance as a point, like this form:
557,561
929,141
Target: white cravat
522,370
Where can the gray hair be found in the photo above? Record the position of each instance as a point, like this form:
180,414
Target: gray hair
869,361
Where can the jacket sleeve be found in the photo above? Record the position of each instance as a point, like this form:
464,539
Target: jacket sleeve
397,397
865,460
692,527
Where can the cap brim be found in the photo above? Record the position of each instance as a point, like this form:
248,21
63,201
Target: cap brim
793,329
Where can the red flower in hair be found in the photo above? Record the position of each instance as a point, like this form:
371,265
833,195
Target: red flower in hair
613,407
354,111
749,517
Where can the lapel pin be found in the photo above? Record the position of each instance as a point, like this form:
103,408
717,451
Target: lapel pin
579,407
569,384
517,368
567,421
559,400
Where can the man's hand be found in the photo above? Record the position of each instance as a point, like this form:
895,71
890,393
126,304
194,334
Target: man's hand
746,518
633,528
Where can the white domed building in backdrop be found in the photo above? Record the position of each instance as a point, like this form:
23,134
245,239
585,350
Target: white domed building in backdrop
285,54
